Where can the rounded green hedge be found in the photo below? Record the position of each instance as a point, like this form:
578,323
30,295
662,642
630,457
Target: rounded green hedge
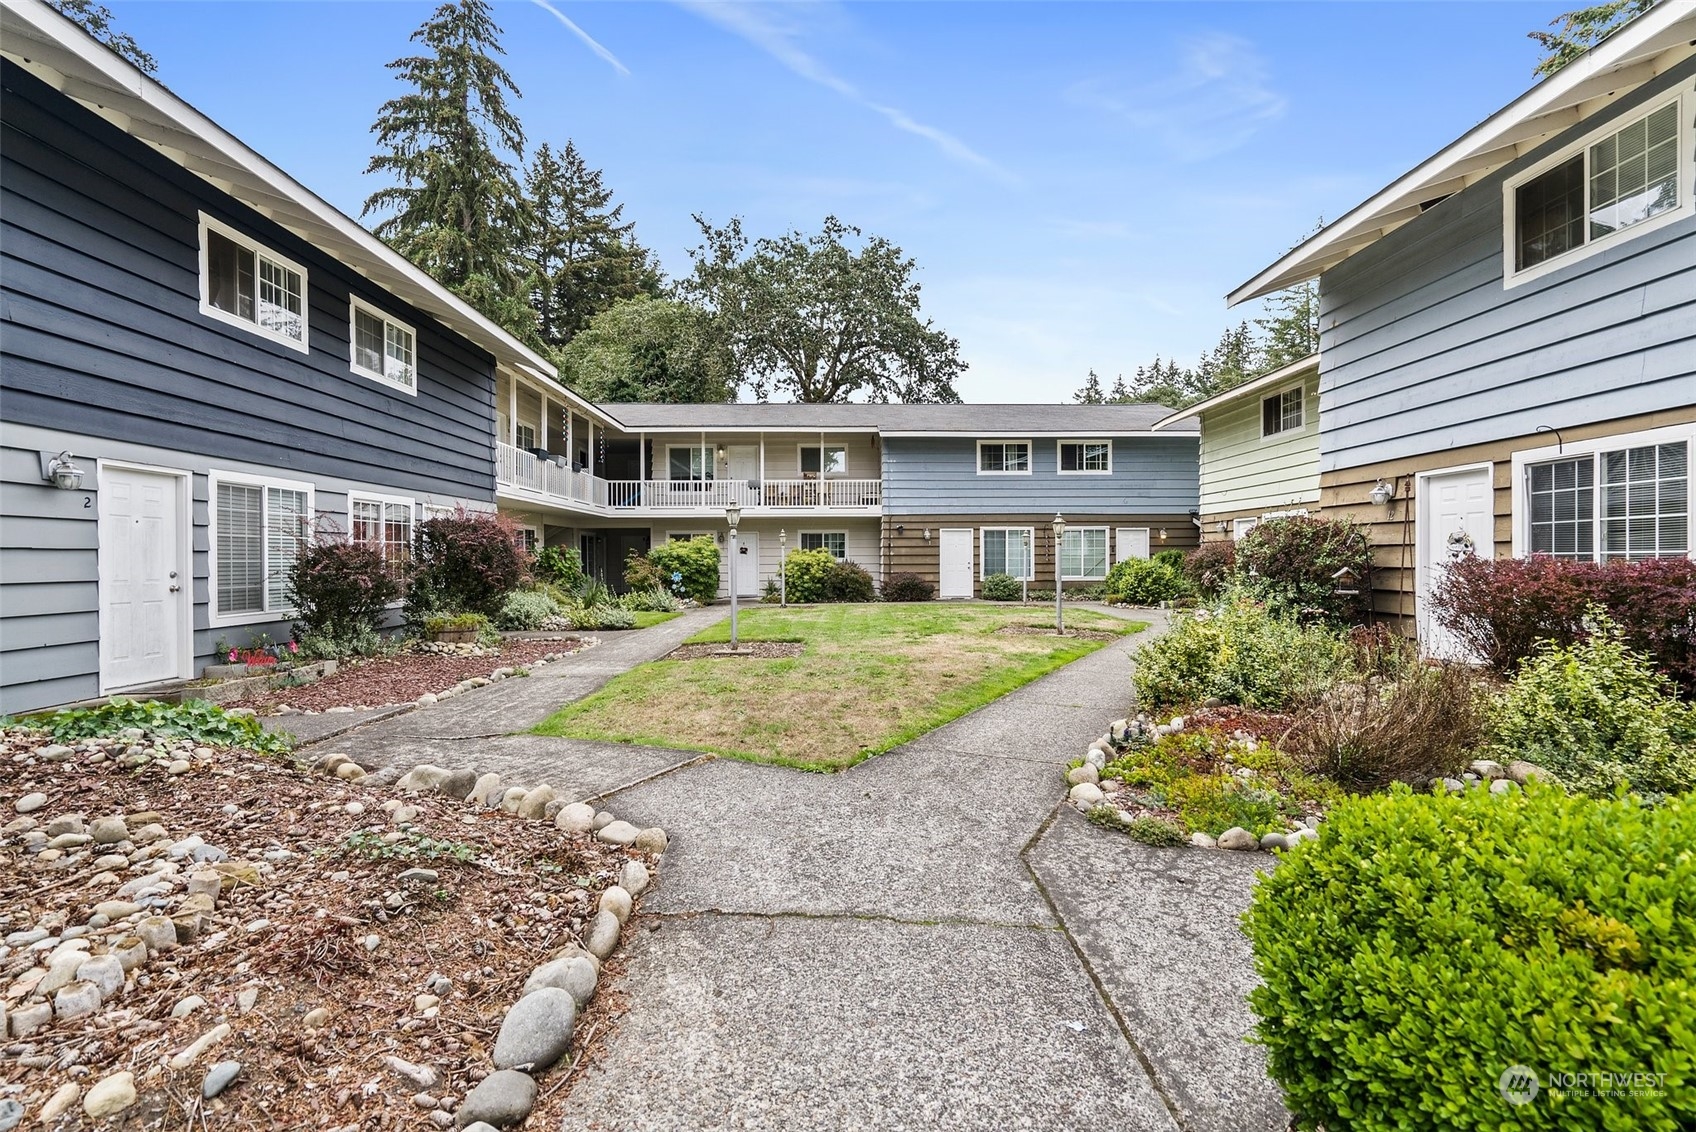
1427,943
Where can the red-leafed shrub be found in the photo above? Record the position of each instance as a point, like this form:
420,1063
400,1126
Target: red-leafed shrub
1209,567
466,562
339,589
1501,607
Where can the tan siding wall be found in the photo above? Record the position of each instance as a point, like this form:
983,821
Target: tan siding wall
1394,528
908,551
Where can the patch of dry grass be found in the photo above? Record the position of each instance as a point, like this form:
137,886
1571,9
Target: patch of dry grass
871,677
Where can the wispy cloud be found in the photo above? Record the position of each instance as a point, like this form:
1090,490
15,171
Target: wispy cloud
772,28
1220,95
593,44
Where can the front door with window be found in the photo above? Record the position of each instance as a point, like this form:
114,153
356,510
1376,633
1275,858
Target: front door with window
145,586
1456,517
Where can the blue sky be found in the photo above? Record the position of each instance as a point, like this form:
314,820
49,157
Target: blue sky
1079,183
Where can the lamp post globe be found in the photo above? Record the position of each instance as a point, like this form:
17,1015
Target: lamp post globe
1059,526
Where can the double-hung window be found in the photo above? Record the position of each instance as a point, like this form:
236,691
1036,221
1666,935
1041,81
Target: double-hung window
1004,457
1086,457
248,285
258,526
1007,550
834,541
383,523
1613,182
693,462
1083,554
824,460
1624,499
381,348
526,436
1281,412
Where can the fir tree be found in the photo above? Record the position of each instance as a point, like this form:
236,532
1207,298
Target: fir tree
584,255
1091,393
96,20
456,209
1578,31
1291,328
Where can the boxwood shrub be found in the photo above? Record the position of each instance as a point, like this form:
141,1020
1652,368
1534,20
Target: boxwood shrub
1002,587
688,566
1145,581
1426,943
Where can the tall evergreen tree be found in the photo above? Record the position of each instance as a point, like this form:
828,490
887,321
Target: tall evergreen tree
584,254
1091,393
456,208
1581,29
96,20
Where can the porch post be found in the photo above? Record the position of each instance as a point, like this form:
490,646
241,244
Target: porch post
642,457
591,446
543,439
512,411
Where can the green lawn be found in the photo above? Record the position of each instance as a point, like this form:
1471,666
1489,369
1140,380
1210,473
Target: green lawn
871,677
645,618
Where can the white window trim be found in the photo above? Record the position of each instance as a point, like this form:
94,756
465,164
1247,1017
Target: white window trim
1107,545
1292,513
1059,463
532,529
838,531
983,559
684,536
1283,433
1030,462
303,344
216,618
711,463
1241,527
823,474
1520,493
1511,277
355,304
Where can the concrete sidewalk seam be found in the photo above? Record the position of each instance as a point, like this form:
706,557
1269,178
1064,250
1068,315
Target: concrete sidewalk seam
698,760
868,917
1174,1109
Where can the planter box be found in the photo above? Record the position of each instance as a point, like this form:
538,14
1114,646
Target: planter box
455,636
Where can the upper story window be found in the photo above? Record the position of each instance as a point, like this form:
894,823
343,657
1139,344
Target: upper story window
824,459
250,286
1086,457
1628,497
381,348
1619,179
1281,412
1004,457
691,462
525,435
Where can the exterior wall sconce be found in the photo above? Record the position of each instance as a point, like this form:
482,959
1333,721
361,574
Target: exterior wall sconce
61,471
1382,492
900,529
1162,534
927,534
1222,526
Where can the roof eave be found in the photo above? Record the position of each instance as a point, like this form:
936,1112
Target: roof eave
1254,385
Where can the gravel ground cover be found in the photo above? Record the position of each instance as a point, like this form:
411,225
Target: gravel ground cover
402,678
286,950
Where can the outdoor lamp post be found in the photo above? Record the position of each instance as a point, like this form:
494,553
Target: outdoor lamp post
1059,615
733,516
782,568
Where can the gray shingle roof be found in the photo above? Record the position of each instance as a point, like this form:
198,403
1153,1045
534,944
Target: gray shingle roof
1082,420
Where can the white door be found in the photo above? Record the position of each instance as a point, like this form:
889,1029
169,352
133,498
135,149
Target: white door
956,562
1456,520
741,465
144,583
1130,542
747,564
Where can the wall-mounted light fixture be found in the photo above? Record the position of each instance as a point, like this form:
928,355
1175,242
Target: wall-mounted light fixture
1162,534
61,471
927,534
1222,526
1382,492
900,529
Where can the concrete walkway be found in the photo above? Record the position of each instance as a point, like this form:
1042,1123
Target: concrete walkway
926,941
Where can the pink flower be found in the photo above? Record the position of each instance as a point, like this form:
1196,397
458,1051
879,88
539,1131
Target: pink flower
294,646
232,656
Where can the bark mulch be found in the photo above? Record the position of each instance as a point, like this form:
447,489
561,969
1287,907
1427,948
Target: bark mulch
309,884
402,678
749,650
1044,631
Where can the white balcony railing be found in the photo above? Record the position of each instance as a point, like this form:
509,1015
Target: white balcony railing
524,470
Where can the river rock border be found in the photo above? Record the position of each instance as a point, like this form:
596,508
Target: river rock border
538,1029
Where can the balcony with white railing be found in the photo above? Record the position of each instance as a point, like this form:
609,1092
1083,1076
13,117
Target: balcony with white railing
524,475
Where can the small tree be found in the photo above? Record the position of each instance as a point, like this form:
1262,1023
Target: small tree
466,562
1309,567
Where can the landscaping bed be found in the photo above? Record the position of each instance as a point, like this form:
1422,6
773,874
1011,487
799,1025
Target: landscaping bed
403,677
312,951
869,677
751,650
